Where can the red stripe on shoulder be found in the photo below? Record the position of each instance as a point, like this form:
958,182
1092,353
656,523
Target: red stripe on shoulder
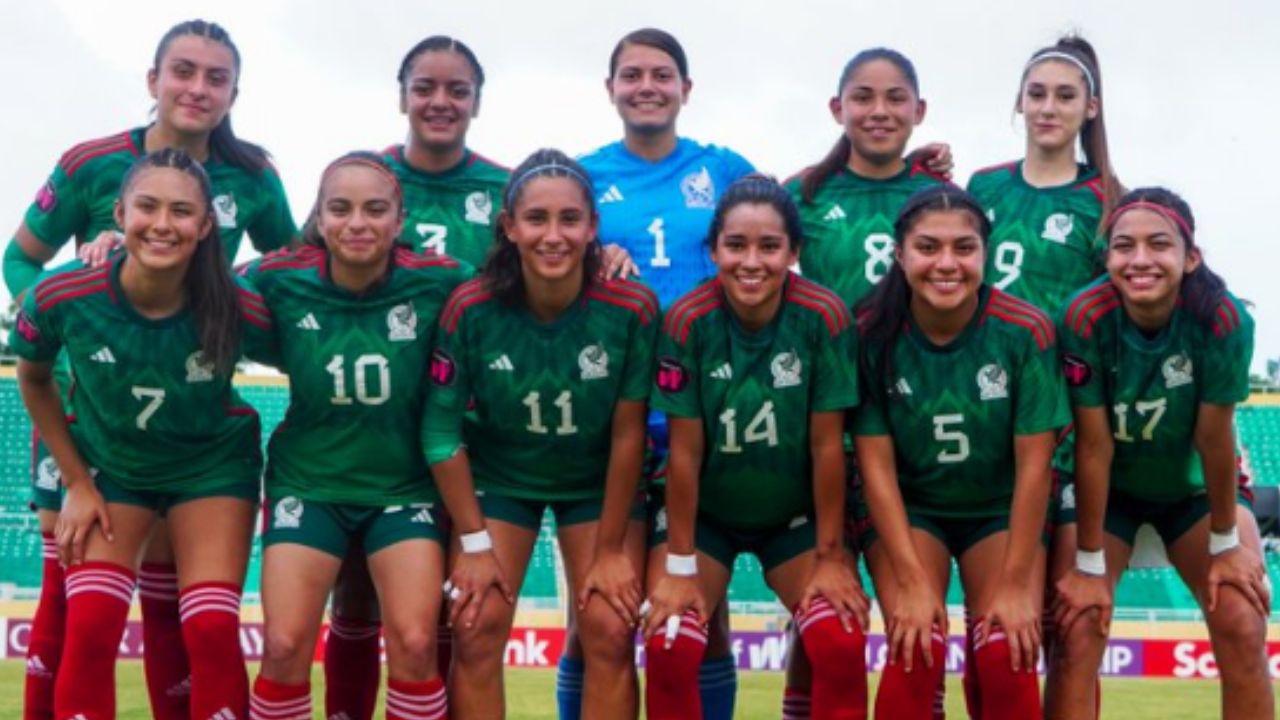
1008,167
1095,186
73,159
695,304
631,295
1085,311
62,281
1018,312
1228,318
71,292
404,257
469,293
920,169
301,258
253,301
809,294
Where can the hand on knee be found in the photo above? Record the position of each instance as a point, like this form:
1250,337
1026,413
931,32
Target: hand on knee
672,672
837,658
606,638
1005,694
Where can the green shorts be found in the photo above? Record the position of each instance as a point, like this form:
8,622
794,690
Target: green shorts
160,501
333,527
528,513
1125,513
46,479
957,534
773,546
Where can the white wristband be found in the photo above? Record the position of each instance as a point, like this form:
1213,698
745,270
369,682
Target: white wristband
476,542
682,565
1091,562
1222,542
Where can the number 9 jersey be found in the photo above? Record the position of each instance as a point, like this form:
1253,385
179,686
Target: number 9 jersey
754,393
357,367
1154,386
953,410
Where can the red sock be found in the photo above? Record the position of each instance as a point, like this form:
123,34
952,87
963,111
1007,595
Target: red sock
1006,695
837,658
972,694
164,656
671,692
277,701
352,667
795,704
44,648
910,695
416,700
98,597
444,647
211,630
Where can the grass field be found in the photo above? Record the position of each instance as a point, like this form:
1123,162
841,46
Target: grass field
531,695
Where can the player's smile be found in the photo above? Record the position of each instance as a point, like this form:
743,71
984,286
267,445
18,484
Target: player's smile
878,110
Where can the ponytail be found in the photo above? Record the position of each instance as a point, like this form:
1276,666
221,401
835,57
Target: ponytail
827,168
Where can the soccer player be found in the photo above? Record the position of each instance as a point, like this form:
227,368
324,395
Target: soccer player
1045,211
154,429
756,370
1156,355
656,192
193,81
353,316
452,193
962,400
555,365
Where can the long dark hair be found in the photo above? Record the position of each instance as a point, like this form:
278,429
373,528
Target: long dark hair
223,143
882,314
311,230
439,43
211,293
1203,290
838,157
1093,133
502,271
758,189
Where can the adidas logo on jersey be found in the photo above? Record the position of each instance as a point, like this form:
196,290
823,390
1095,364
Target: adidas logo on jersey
224,714
612,195
37,668
502,363
724,372
835,213
308,322
902,387
104,355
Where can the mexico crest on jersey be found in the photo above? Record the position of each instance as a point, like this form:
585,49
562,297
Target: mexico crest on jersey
786,369
288,513
1057,227
224,207
402,323
198,369
48,475
993,382
478,208
1177,371
594,362
698,189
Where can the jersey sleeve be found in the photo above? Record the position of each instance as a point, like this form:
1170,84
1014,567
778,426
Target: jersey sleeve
835,385
1081,365
736,166
872,417
449,389
35,335
676,375
640,353
58,211
1224,367
258,340
1040,394
273,228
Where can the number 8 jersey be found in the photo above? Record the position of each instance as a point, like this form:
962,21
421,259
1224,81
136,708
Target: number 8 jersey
953,410
754,393
1153,386
357,368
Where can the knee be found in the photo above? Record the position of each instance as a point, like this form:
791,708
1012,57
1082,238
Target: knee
284,646
829,647
416,644
605,636
486,639
1080,645
1237,629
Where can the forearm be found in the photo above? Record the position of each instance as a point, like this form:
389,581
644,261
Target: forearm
1215,442
457,490
829,496
622,479
44,405
684,466
1030,503
1095,450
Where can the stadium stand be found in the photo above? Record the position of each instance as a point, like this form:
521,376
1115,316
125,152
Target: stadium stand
1146,591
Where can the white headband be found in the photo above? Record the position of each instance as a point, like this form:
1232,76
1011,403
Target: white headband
1065,57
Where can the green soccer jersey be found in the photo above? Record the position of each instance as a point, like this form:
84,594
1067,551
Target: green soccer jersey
1044,242
79,197
357,367
848,228
533,402
452,212
754,393
143,408
953,411
1154,386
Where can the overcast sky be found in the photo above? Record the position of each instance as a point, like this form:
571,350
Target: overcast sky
1185,87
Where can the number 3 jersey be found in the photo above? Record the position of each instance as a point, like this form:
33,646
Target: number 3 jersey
952,411
1153,386
754,393
357,367
848,228
533,402
144,407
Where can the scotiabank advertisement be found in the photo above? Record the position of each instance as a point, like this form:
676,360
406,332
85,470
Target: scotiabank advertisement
542,647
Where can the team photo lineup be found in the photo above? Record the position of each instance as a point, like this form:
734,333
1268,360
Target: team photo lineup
867,369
